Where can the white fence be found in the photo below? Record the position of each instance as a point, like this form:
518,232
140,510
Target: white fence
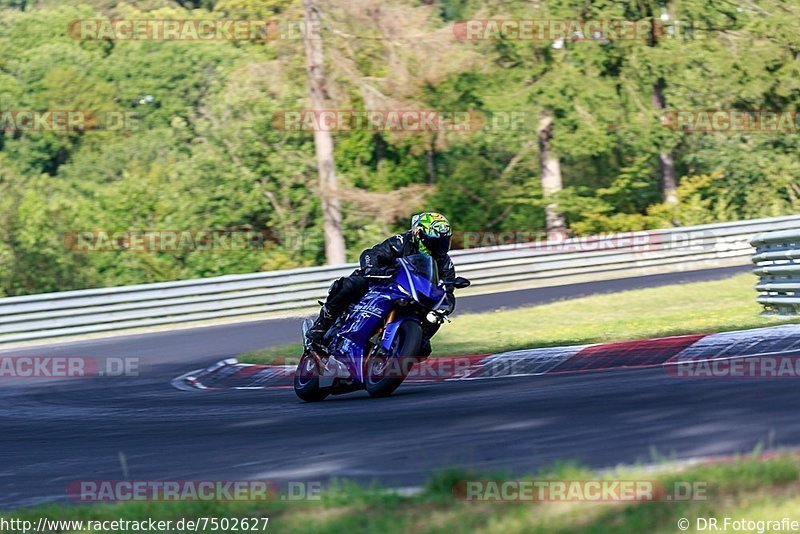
117,309
777,260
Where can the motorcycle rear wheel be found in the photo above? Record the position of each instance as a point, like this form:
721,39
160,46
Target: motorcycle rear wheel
406,347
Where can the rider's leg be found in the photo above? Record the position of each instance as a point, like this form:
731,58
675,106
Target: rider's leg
342,293
322,324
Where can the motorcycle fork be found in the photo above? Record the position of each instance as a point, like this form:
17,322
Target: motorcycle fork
389,319
376,339
318,360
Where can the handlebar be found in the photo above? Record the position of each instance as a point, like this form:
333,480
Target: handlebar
440,316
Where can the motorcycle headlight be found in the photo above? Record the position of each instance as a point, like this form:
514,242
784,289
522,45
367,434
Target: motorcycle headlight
432,318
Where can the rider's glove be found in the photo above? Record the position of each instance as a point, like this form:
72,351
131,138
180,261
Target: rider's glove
448,306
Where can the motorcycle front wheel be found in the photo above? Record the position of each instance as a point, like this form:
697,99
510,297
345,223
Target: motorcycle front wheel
385,373
306,380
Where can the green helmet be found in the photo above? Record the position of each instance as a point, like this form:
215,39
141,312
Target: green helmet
431,233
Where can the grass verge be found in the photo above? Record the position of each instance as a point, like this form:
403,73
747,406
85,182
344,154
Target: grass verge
751,487
693,308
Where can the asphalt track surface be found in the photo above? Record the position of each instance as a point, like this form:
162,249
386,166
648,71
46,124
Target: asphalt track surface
58,431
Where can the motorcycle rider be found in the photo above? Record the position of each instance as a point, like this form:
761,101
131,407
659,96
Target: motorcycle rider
430,234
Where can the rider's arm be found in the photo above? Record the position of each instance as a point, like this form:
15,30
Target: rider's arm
448,274
383,254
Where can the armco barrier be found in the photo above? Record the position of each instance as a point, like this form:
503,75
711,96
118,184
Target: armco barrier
117,309
777,260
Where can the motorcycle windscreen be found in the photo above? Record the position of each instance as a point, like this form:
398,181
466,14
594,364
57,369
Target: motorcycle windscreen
423,278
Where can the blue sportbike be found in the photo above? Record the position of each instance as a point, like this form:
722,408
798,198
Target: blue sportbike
374,344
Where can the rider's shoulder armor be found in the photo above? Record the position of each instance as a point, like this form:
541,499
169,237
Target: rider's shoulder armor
402,244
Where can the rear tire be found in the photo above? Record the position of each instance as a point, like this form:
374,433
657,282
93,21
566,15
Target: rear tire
306,380
407,343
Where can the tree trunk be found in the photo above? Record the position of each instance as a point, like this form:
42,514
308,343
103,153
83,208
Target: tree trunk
430,155
323,141
669,183
551,177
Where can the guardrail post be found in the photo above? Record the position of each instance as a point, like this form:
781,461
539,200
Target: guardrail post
777,260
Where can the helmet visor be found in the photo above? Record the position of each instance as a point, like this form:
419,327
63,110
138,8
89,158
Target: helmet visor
439,245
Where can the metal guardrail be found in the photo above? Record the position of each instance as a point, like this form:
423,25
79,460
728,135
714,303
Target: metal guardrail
777,260
116,309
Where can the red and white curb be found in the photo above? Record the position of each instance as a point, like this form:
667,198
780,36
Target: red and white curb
760,342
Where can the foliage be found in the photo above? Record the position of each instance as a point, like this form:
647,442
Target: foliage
206,153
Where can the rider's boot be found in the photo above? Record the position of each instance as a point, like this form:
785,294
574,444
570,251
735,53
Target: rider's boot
425,349
321,325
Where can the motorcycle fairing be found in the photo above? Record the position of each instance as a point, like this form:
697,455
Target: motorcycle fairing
364,319
418,287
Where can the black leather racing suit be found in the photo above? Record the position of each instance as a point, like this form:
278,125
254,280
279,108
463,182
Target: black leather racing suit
381,259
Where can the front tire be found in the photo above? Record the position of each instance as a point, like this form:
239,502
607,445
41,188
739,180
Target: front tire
306,380
406,345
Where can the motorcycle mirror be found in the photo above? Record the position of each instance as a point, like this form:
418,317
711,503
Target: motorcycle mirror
460,282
